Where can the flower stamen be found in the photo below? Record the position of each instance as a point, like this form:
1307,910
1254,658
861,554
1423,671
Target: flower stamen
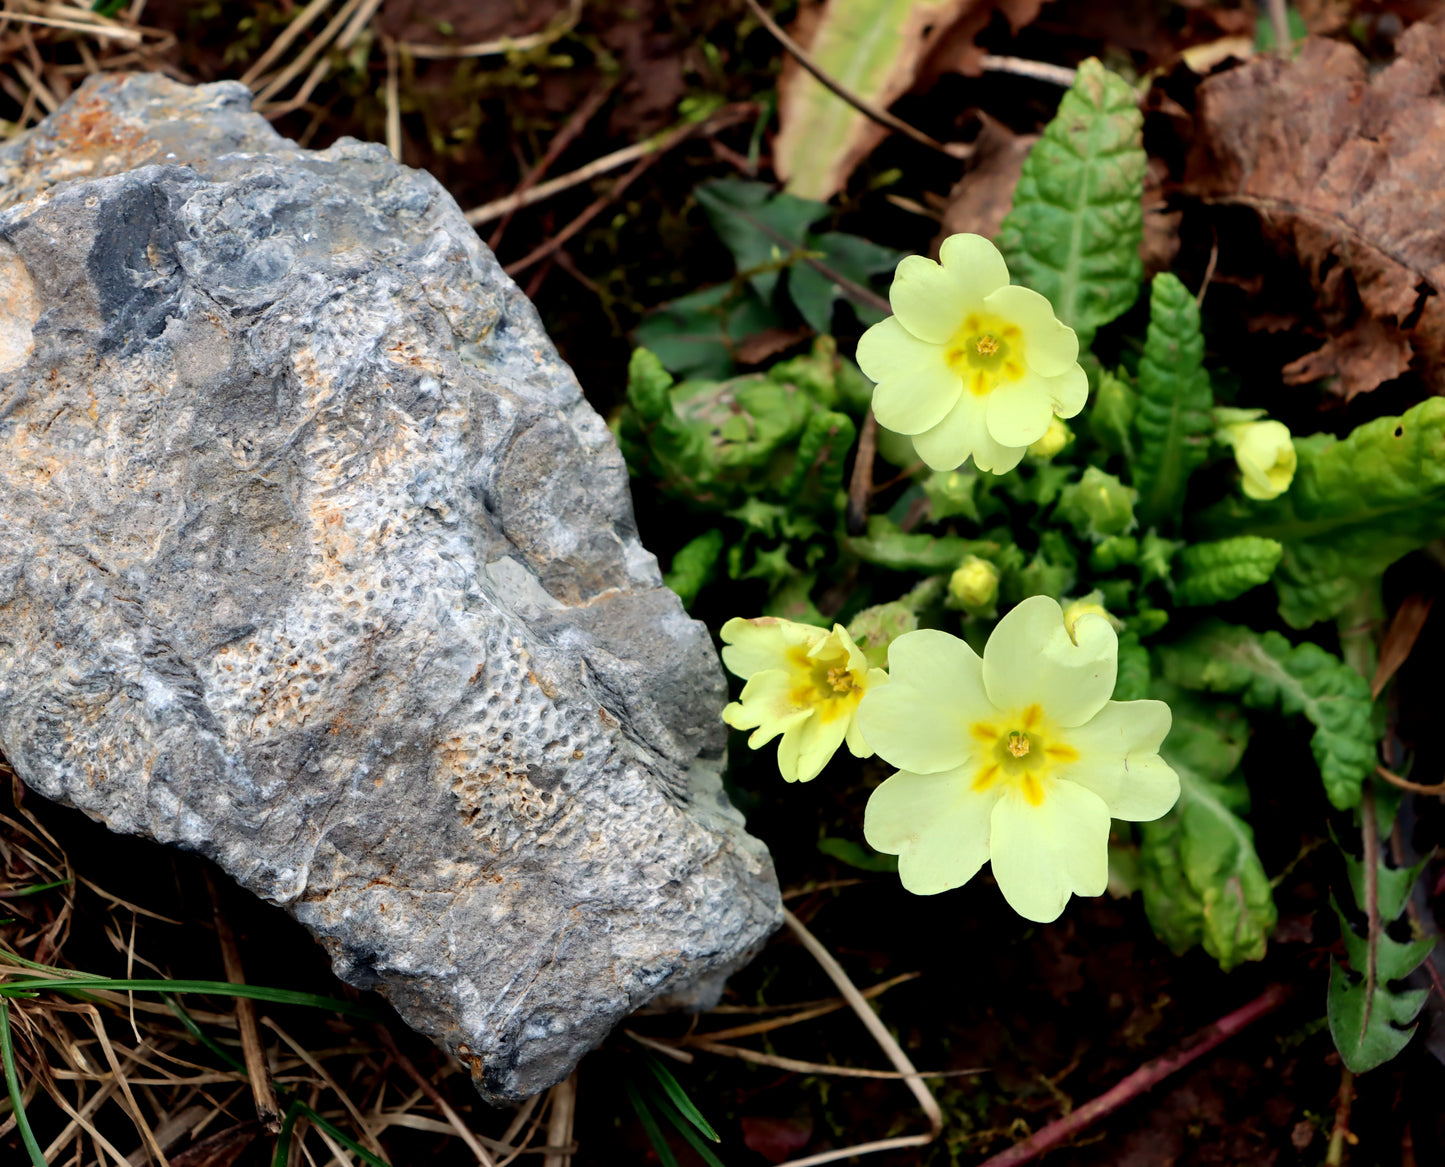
842,680
986,345
1018,744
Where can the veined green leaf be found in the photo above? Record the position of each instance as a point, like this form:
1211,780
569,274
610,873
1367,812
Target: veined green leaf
1268,671
1077,220
1369,1020
885,545
1355,506
1172,425
1203,881
1212,573
696,335
761,227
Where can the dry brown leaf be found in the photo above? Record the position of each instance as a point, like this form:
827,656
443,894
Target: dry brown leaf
1371,353
1345,170
982,197
1405,630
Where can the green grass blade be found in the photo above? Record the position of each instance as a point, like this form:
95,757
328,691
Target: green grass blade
349,1143
649,1124
686,1130
12,1080
195,1031
213,988
678,1097
282,1156
34,889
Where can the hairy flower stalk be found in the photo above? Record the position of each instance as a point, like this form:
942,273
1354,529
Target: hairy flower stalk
804,683
1018,758
968,364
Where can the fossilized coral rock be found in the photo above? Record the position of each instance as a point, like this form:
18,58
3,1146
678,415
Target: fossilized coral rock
313,559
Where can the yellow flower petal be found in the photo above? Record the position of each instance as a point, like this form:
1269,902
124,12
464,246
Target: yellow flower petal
804,751
753,645
768,699
935,824
919,721
1050,346
1019,413
974,264
925,300
858,744
1041,854
1030,658
963,434
1119,760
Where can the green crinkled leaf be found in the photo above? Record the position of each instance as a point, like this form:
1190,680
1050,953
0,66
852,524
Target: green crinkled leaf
1110,417
1132,680
1203,882
1267,671
1211,573
884,545
1172,424
694,566
1077,220
1370,1020
1355,506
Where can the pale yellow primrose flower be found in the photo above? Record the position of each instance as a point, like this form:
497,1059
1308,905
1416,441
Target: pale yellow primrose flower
804,683
969,364
1018,759
1263,450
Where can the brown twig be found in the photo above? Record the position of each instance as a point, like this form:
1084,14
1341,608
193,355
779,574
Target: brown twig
559,1125
1340,1134
1141,1080
1279,22
268,1109
860,486
408,1067
1022,67
563,138
598,205
1405,784
863,106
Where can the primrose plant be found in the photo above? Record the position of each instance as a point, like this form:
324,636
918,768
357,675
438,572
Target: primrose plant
1079,609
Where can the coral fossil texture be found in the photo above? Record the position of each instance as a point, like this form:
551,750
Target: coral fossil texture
313,559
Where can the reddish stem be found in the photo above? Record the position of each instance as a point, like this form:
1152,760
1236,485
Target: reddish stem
1145,1078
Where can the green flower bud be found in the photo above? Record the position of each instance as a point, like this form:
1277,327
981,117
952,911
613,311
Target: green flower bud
974,586
1098,504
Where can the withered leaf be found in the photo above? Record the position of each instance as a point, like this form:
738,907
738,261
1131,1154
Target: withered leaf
1345,170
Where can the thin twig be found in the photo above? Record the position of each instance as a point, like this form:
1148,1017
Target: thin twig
509,44
283,42
393,101
1340,1134
559,1126
301,1052
563,138
1405,784
838,89
1022,67
542,251
824,1069
1141,1080
875,1027
268,1109
409,1068
1279,22
860,486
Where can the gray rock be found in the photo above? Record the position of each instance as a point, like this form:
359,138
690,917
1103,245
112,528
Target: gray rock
314,560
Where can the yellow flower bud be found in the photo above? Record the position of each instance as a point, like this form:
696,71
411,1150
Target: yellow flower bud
974,586
1265,455
1055,438
1088,606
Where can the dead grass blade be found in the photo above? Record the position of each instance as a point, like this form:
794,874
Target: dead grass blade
559,1126
463,1131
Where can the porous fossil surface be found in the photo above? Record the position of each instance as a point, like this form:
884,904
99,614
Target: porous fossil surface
313,559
